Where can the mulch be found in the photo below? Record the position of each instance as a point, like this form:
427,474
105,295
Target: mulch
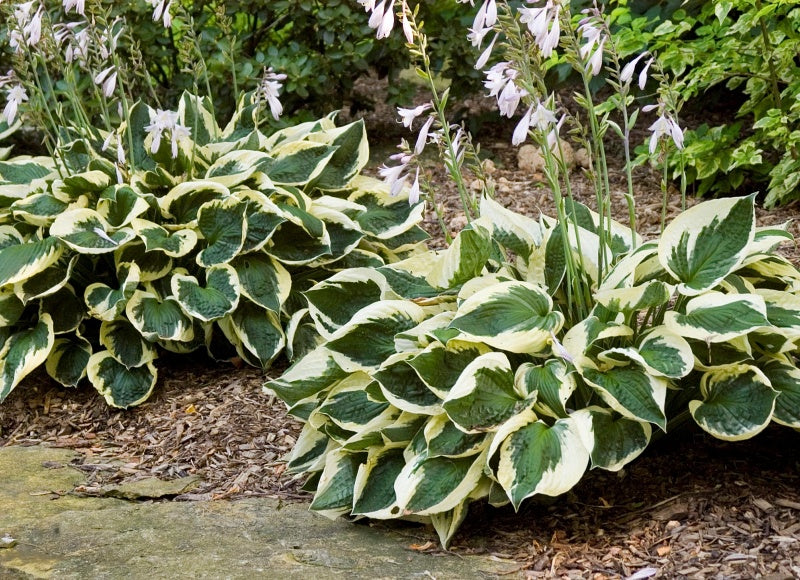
690,507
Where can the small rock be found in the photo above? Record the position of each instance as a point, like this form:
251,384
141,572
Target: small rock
672,524
582,158
568,156
7,542
529,159
458,223
488,166
476,185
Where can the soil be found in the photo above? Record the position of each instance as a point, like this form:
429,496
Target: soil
691,506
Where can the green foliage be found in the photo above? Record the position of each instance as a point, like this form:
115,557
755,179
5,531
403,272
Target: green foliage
744,52
324,48
475,383
209,249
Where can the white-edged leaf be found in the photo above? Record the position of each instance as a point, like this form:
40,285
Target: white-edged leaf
86,231
707,242
612,441
158,319
718,317
68,360
120,386
485,396
737,403
23,351
513,316
533,457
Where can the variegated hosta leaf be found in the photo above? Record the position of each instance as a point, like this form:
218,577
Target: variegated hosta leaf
236,167
661,352
513,316
11,307
532,457
40,209
446,523
429,485
718,317
368,339
551,384
403,388
223,227
66,309
299,162
344,233
440,366
262,217
713,355
785,378
125,343
301,335
46,282
86,231
312,374
464,260
263,280
120,205
354,402
333,302
19,262
174,244
23,351
648,295
158,320
25,170
120,386
10,236
384,216
152,265
334,495
707,242
68,360
351,155
308,452
445,439
373,493
259,332
219,297
108,303
518,233
300,240
624,273
737,404
631,391
767,238
93,181
485,396
771,271
783,310
185,199
613,441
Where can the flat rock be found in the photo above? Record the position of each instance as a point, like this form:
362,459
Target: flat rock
52,533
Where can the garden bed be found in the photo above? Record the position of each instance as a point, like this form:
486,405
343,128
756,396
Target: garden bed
690,506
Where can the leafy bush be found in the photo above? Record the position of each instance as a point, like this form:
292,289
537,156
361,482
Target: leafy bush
322,47
474,384
740,48
204,244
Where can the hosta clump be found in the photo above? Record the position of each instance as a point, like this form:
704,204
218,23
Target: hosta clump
456,376
204,246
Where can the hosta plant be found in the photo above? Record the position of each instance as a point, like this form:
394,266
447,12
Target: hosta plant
457,376
203,242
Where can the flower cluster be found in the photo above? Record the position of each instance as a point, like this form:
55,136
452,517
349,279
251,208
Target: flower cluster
269,89
396,176
161,121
